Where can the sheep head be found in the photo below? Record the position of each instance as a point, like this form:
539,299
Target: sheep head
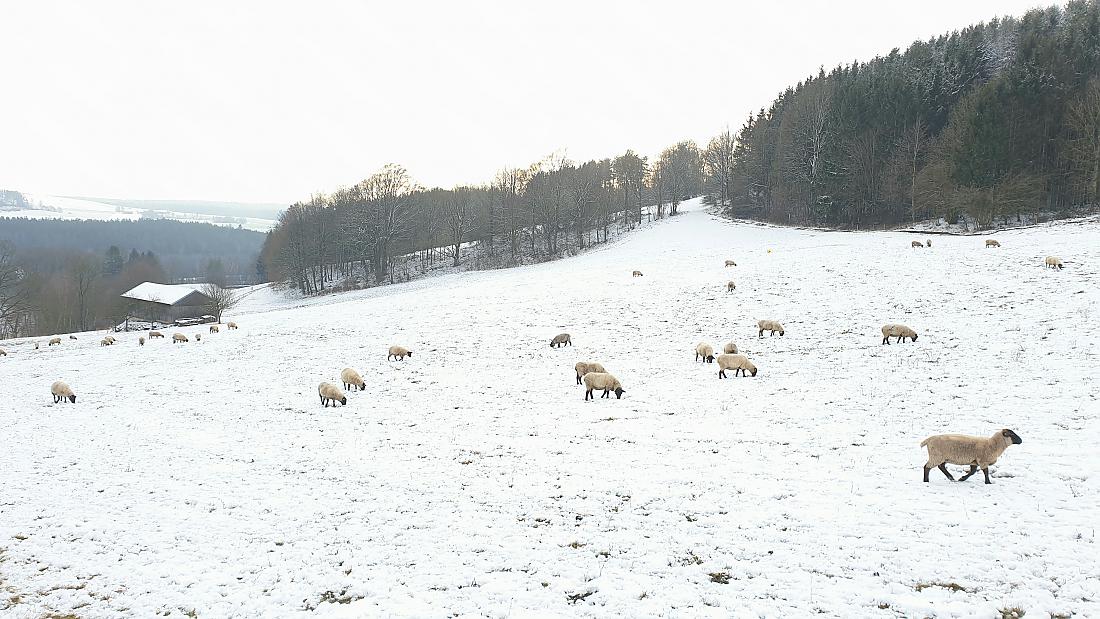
344,401
753,371
619,391
914,337
1011,436
72,399
710,358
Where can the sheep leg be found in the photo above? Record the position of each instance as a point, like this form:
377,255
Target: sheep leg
973,469
721,373
926,470
986,471
885,340
578,379
606,394
761,334
588,394
943,467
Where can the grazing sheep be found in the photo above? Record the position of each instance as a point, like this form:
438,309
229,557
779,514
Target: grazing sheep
704,350
737,363
730,286
769,325
399,352
61,392
36,345
231,325
179,337
105,342
54,340
916,244
214,329
155,334
198,337
110,338
72,337
561,340
351,379
141,341
992,243
4,354
963,450
584,367
602,380
899,331
730,348
1054,262
928,243
636,274
731,263
331,393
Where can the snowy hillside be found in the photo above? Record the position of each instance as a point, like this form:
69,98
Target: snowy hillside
58,207
473,480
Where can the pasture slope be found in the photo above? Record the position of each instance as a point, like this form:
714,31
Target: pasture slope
473,480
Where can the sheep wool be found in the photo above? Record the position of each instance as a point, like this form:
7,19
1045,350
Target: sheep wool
62,392
737,363
399,352
54,340
769,325
351,378
992,243
730,348
179,337
604,381
561,339
1054,262
899,331
704,351
967,450
584,367
331,393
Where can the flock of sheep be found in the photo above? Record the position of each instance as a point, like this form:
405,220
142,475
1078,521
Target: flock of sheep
331,394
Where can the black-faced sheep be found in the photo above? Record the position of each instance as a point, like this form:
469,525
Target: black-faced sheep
230,325
399,353
179,337
1053,262
967,450
54,340
562,339
72,337
899,331
62,392
730,348
705,352
331,393
731,263
730,286
141,341
351,378
155,334
737,363
604,381
769,325
214,329
584,367
916,244
636,274
992,243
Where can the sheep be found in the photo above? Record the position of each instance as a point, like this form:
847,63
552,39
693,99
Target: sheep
731,263
351,379
769,325
331,393
231,325
560,340
399,352
737,363
992,243
179,337
730,348
105,342
214,329
928,243
704,350
584,367
110,338
916,244
730,286
602,380
963,450
899,331
72,337
36,345
4,354
636,274
198,337
62,392
155,334
1054,262
141,341
54,340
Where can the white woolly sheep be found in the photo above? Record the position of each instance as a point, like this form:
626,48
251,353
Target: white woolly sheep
155,334
109,338
636,274
730,286
916,244
769,325
965,450
105,342
141,341
731,263
54,340
214,329
399,352
331,393
198,337
230,325
351,379
4,354
928,243
179,337
737,363
560,340
604,381
899,331
704,350
62,392
584,367
992,243
730,348
1054,262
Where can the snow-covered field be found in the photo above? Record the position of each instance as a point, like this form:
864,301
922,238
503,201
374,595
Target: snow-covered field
473,480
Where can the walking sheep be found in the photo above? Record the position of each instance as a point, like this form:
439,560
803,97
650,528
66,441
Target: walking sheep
737,363
351,378
636,274
604,381
704,350
399,353
899,331
62,392
331,393
963,450
992,243
1054,262
584,367
560,340
769,325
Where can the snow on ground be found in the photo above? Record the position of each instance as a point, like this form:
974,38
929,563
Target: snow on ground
59,207
473,480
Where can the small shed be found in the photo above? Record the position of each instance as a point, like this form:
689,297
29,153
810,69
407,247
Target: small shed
166,302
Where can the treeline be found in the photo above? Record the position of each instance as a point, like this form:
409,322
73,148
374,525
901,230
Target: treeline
359,235
997,120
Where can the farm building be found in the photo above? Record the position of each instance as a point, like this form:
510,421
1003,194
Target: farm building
166,302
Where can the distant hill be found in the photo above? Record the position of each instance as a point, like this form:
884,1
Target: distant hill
205,207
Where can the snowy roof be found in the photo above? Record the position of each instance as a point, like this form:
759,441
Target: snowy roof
167,294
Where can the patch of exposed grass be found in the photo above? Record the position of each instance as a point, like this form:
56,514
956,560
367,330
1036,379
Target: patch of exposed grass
1014,612
950,586
578,597
722,578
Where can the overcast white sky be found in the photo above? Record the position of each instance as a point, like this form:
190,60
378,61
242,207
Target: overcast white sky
264,102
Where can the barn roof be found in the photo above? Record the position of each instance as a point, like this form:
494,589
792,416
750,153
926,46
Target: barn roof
167,294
